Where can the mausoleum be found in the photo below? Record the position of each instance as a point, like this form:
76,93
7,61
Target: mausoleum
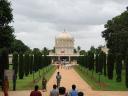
64,48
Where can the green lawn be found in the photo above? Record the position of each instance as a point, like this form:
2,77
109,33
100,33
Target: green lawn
48,76
27,83
105,83
10,66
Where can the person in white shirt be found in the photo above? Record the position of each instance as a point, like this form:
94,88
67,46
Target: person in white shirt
55,91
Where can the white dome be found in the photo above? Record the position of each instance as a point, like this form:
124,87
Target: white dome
64,35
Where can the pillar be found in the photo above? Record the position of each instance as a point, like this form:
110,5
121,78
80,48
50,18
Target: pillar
69,59
58,58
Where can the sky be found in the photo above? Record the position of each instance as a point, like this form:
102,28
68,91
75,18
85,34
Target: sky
37,22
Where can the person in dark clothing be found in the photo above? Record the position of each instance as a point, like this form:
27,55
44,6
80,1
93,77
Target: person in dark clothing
36,92
80,94
44,83
62,91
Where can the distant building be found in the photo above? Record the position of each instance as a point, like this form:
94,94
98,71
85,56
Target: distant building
64,48
10,58
64,44
105,50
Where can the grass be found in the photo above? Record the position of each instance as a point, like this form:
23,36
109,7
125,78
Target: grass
27,83
10,66
48,76
105,84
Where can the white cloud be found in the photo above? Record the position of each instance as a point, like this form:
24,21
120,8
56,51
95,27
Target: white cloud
38,22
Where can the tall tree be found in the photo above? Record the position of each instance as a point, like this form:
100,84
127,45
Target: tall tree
6,33
126,72
26,63
110,65
21,66
6,17
91,60
31,63
104,63
45,51
35,62
86,60
5,59
19,46
119,67
36,51
97,62
116,34
92,49
4,63
15,62
100,63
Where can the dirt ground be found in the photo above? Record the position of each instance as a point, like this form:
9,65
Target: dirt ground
69,77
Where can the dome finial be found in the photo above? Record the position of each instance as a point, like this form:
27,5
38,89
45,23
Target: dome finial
64,35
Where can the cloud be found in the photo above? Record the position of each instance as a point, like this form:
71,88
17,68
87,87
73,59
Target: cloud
38,22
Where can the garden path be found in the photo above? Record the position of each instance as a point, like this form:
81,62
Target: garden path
69,77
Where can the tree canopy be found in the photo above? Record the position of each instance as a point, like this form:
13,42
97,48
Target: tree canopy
116,33
45,51
6,17
19,46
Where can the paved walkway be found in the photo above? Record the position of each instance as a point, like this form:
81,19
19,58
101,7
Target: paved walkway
69,77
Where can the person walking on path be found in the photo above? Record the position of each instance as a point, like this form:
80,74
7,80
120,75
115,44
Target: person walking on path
36,92
55,91
58,79
5,86
73,92
58,66
44,83
80,93
62,91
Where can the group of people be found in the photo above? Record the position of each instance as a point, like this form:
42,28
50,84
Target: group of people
61,91
57,90
65,66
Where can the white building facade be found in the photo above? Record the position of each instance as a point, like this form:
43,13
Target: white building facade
64,44
64,48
